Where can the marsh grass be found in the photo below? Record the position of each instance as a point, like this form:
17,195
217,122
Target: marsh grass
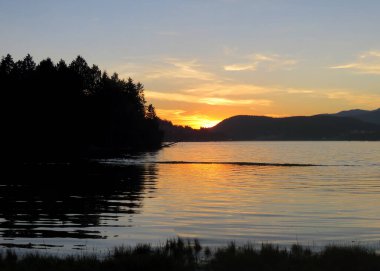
180,254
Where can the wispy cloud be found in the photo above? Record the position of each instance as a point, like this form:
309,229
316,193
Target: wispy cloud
231,89
267,62
355,98
176,97
367,63
261,57
177,68
224,101
151,68
299,91
187,98
241,67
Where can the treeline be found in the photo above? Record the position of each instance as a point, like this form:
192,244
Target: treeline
61,111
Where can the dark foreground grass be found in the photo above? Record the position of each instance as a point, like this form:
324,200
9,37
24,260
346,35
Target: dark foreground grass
189,255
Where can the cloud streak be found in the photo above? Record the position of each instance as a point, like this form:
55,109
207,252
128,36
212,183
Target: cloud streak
176,68
367,63
241,67
187,98
266,62
354,98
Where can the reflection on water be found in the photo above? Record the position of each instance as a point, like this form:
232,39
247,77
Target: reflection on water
314,193
65,200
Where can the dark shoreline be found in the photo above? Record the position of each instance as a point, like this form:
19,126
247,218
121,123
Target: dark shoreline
180,254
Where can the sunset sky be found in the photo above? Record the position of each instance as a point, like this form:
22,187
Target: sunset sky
205,60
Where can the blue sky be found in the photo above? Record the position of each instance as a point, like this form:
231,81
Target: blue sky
204,60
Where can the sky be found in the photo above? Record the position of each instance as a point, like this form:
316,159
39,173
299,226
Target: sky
202,61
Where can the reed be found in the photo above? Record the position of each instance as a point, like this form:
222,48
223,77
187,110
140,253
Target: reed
180,254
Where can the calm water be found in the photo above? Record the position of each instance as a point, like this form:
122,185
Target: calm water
216,192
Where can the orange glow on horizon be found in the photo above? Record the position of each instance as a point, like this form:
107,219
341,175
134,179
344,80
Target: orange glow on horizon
208,123
198,123
183,118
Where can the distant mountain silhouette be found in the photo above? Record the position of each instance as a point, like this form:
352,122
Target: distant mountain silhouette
296,128
318,127
364,115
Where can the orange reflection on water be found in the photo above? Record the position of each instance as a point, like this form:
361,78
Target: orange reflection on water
213,195
211,186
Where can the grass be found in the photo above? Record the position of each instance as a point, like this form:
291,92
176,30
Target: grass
179,254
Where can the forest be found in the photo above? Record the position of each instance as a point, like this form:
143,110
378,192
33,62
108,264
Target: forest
68,111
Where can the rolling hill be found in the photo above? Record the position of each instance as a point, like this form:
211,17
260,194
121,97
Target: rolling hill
346,125
296,128
364,115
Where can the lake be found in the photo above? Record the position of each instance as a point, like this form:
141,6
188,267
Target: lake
313,193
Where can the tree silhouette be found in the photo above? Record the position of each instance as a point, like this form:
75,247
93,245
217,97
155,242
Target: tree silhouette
68,111
7,65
